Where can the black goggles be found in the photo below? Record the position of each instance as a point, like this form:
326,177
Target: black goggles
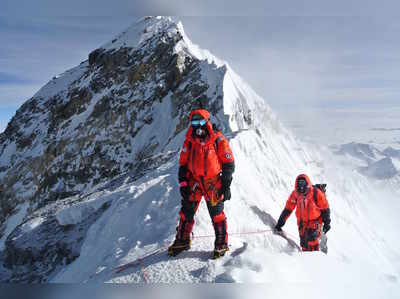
302,183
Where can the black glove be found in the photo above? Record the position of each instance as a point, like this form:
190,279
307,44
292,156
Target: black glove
278,227
185,192
326,228
227,194
279,224
226,180
326,219
224,191
282,220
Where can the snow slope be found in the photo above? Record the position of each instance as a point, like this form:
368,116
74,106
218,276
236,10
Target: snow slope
136,225
363,255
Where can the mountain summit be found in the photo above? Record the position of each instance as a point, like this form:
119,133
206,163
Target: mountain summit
123,112
88,169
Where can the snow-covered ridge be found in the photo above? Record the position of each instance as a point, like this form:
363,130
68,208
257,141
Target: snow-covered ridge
146,28
141,31
110,133
234,93
122,113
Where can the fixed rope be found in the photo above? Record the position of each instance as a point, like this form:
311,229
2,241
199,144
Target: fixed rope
139,261
236,234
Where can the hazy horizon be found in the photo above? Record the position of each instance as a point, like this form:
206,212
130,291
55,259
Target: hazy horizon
297,64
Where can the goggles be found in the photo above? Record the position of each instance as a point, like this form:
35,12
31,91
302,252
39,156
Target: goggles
199,122
302,183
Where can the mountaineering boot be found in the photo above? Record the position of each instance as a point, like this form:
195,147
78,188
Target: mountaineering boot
182,240
221,235
220,251
178,246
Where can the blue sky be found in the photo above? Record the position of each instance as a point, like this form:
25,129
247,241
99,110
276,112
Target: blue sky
295,63
34,49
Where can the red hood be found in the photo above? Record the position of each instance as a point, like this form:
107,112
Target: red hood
303,176
203,112
206,115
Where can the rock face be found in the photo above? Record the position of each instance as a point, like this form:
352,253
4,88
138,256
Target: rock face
123,111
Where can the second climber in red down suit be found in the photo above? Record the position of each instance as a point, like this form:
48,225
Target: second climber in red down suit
312,211
206,165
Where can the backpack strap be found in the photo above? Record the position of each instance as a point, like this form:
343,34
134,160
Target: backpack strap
215,128
322,188
216,141
315,195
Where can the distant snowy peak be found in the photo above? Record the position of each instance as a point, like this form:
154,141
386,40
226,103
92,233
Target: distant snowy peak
391,152
362,151
371,161
366,152
382,169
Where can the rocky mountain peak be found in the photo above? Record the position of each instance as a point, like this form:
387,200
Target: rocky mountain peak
145,29
115,117
97,120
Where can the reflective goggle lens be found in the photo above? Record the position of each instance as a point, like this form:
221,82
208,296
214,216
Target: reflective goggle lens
200,122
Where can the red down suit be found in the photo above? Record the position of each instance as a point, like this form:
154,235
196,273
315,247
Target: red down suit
206,166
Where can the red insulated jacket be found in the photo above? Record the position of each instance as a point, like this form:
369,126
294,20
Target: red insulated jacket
306,208
204,158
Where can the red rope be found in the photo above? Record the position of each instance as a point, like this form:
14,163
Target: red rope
143,269
237,234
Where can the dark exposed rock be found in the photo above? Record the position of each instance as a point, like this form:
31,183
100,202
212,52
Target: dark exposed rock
94,55
24,142
137,74
101,108
98,84
6,207
34,255
78,100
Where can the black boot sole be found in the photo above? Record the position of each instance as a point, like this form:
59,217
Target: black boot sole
172,252
218,254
